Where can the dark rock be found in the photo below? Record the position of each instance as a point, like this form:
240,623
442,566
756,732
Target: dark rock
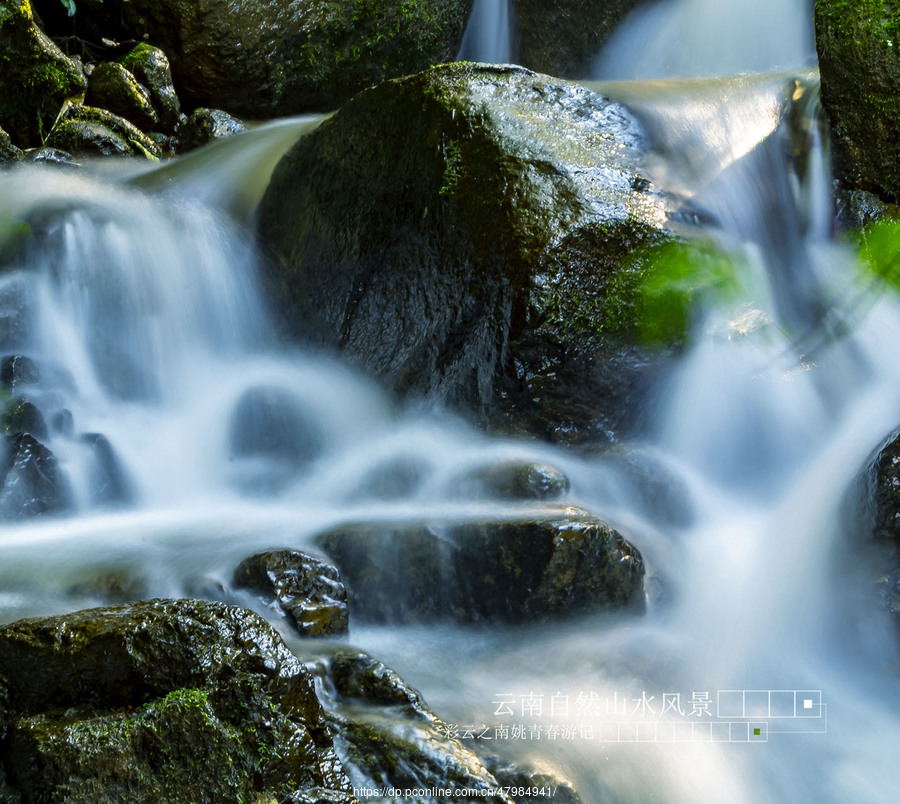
160,701
534,569
30,480
528,779
21,416
414,282
516,481
204,126
16,370
51,156
36,78
151,67
8,151
884,487
564,37
284,56
95,132
857,44
108,482
115,89
308,590
387,737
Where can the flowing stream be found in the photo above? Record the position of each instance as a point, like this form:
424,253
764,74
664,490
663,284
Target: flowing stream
137,296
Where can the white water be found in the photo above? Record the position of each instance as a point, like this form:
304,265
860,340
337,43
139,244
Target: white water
763,428
678,38
489,34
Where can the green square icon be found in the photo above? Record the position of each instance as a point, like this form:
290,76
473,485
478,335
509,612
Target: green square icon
757,732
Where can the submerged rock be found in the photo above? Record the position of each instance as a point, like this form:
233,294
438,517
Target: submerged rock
468,254
859,62
283,56
516,481
109,484
36,77
564,562
115,89
564,37
204,126
307,590
160,701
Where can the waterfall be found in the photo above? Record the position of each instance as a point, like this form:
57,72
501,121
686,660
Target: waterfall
138,297
488,36
676,38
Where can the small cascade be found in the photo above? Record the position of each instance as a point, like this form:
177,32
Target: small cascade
489,34
687,38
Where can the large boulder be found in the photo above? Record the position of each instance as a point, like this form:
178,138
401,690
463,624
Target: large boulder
159,701
470,251
36,77
564,37
561,561
859,60
284,56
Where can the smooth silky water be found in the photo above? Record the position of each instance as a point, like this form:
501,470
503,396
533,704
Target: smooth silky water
142,304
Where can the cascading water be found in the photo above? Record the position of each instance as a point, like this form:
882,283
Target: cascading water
679,38
143,313
489,34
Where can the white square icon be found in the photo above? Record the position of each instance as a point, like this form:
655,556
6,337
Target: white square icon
807,703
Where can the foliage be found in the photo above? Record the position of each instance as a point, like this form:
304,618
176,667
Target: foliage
879,251
679,279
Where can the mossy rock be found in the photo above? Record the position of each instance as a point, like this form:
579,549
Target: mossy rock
115,89
150,66
556,563
89,131
433,254
161,701
261,59
36,77
858,42
564,37
204,126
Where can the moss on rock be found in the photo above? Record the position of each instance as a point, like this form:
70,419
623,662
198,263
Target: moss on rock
161,701
858,42
36,78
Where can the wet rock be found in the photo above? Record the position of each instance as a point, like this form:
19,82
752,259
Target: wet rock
8,151
522,778
51,156
63,423
565,562
89,131
860,69
151,67
204,126
21,416
307,590
167,700
516,481
564,37
284,56
108,481
387,737
115,89
884,490
18,370
36,78
412,281
31,482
